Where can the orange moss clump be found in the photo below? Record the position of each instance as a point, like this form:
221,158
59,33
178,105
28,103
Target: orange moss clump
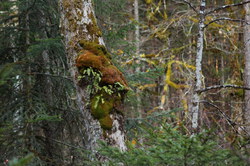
89,59
95,56
110,74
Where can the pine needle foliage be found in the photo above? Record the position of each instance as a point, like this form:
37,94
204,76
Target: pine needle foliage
36,91
167,145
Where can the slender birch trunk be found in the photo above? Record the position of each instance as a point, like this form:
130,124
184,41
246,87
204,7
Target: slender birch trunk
78,23
198,73
137,51
247,66
137,27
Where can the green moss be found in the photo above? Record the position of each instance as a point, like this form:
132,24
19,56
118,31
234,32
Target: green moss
239,93
93,28
94,47
101,105
105,100
106,123
95,55
66,4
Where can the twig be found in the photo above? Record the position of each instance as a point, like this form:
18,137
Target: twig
224,19
222,86
229,121
226,6
189,4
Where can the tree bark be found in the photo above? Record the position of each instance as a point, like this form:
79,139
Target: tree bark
78,24
247,66
198,73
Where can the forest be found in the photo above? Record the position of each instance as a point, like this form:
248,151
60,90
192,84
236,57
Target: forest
124,82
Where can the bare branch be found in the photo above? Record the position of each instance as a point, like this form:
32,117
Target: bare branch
230,122
228,119
189,4
224,19
222,86
225,7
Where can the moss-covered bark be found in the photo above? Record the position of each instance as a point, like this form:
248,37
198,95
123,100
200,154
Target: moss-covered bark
85,49
96,57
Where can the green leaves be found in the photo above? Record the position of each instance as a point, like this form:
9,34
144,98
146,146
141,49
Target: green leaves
94,86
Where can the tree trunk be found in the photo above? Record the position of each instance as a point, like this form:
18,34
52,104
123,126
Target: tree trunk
247,66
85,49
198,73
137,52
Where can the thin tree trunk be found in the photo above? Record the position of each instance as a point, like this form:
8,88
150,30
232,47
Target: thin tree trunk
137,52
247,66
198,73
78,24
137,27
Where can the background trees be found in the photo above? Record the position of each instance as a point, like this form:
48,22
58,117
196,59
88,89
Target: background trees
36,92
39,111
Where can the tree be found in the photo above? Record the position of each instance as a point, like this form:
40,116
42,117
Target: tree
36,104
100,86
247,65
198,73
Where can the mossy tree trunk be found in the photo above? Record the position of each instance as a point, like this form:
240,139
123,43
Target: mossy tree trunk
85,49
